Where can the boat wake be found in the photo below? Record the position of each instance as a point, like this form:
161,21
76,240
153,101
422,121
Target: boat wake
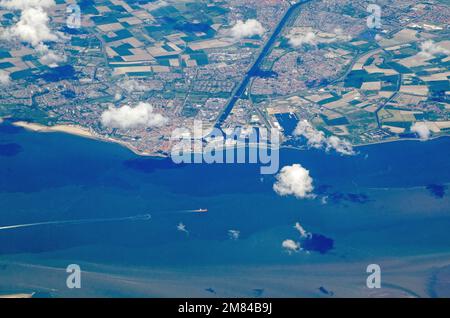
192,211
142,217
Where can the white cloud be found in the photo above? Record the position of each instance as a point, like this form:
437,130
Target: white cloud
32,27
234,234
130,85
297,40
24,4
430,49
341,35
49,57
341,146
317,139
182,228
422,130
127,117
302,231
4,78
290,246
247,29
294,180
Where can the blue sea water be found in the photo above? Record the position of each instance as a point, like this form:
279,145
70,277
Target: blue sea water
379,203
288,122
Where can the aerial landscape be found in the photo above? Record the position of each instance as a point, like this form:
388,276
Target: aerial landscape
225,148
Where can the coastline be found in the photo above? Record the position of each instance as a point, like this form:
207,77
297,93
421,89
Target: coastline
400,139
68,129
80,131
23,295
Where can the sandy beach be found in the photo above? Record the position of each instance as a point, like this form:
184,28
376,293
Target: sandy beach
17,296
78,131
68,129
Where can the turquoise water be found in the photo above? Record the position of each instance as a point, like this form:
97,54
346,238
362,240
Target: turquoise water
378,204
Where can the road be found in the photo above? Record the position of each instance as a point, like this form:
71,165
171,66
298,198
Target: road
266,49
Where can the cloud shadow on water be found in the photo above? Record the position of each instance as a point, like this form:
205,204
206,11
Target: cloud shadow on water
437,190
337,197
317,243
